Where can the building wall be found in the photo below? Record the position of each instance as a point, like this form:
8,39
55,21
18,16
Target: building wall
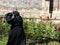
30,8
57,5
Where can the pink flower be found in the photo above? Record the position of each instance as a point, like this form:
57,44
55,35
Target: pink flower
40,17
54,17
44,23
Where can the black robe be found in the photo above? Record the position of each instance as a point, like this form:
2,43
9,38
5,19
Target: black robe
17,35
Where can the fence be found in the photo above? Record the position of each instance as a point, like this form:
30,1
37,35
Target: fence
38,19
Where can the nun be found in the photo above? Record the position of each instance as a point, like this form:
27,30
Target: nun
16,35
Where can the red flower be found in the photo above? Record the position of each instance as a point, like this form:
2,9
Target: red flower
48,17
40,17
58,28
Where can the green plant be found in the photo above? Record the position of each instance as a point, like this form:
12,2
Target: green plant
41,32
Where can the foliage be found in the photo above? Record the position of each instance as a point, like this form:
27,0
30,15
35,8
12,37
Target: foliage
4,29
41,31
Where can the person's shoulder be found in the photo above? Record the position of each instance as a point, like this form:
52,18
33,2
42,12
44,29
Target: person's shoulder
8,14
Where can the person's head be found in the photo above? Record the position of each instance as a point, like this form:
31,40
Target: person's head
16,13
9,14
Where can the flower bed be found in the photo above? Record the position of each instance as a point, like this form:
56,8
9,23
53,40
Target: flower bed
43,31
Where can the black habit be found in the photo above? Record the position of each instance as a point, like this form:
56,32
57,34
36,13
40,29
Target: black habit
17,35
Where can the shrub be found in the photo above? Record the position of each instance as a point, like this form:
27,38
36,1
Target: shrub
39,32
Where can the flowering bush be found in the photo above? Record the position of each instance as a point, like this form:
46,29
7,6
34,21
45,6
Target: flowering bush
44,30
41,31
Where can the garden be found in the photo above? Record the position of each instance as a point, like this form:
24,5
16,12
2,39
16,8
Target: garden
43,32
